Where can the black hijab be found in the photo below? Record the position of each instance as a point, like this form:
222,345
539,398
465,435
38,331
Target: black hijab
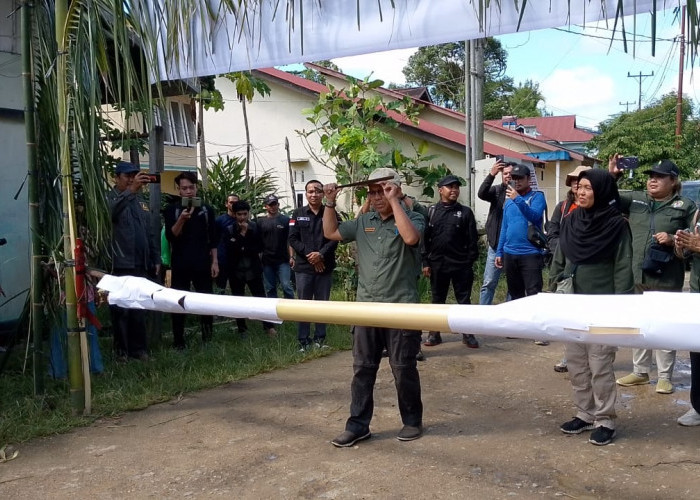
591,235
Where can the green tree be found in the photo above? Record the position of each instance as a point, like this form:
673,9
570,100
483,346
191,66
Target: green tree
314,75
353,126
441,69
650,134
227,176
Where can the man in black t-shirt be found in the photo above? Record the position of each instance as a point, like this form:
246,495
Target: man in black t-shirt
276,255
191,231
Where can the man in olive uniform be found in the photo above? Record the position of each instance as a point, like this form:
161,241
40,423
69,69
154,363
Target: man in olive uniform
388,257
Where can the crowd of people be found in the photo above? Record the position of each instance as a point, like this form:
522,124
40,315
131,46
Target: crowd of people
602,241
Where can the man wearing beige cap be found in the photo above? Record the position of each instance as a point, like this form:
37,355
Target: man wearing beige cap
388,263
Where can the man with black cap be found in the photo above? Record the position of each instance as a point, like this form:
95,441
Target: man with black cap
134,253
654,217
521,260
276,253
450,248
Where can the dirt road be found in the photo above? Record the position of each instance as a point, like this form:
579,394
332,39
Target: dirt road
491,417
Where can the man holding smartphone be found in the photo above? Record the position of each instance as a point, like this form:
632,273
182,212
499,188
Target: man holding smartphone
191,230
134,253
496,196
522,261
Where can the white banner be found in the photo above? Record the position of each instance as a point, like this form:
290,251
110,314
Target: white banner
271,33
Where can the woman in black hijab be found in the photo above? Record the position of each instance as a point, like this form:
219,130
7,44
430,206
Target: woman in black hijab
595,247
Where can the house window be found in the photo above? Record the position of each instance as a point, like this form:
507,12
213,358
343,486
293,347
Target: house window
298,176
178,127
300,199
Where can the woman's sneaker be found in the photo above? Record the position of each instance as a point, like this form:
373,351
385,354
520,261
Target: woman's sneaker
575,426
601,436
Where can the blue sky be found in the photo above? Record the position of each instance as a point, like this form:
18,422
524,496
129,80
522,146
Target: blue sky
579,73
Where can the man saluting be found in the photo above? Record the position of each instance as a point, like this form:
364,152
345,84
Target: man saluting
388,266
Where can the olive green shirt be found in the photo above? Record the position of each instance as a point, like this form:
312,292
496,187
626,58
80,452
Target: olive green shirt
387,267
669,216
612,276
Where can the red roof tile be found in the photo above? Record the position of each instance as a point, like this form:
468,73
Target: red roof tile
552,128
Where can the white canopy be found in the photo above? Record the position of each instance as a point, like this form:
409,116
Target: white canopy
277,32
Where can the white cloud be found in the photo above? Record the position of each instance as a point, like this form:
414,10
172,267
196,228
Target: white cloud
583,91
385,66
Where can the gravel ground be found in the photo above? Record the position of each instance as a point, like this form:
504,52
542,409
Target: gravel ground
491,418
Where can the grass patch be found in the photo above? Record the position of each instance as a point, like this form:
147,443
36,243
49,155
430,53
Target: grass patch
169,374
136,385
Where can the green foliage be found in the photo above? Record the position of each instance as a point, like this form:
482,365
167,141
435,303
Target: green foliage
247,85
227,176
314,75
209,95
650,134
345,272
441,69
524,100
353,125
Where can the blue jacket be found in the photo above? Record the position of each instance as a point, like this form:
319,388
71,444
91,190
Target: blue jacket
516,214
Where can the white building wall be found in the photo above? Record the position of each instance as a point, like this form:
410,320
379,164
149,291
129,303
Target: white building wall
279,115
271,119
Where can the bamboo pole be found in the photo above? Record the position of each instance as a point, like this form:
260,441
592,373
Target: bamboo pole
75,369
37,309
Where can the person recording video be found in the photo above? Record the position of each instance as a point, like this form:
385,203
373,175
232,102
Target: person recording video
191,230
134,253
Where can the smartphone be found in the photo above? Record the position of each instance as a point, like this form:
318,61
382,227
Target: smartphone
511,184
627,162
191,202
499,158
153,178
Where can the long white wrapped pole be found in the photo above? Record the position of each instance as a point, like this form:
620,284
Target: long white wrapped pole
654,320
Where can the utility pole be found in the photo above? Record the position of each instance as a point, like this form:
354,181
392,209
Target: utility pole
679,97
467,121
640,76
627,104
476,78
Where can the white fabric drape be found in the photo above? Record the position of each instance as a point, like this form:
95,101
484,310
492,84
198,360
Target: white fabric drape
264,35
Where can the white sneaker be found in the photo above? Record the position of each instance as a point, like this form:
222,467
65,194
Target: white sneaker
690,418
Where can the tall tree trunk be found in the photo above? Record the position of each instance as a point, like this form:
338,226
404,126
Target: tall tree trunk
247,143
204,173
37,308
75,366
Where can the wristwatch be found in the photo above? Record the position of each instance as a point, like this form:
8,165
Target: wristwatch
329,204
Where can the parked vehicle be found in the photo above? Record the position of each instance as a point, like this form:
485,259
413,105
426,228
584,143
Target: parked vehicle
691,189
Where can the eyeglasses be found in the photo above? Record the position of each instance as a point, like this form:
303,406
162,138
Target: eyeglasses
375,192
